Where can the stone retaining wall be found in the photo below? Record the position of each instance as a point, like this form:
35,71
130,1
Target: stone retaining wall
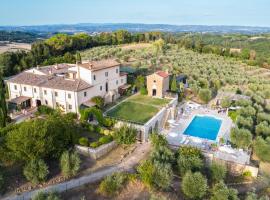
234,168
98,152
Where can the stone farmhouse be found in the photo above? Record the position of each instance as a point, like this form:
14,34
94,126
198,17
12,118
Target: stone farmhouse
66,86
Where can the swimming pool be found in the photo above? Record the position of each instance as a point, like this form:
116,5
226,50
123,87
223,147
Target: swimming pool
205,127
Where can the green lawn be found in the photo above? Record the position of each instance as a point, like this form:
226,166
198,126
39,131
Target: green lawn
149,100
133,112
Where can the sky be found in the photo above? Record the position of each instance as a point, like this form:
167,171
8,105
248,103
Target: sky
178,12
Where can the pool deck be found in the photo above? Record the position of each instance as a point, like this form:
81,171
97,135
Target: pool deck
175,134
186,113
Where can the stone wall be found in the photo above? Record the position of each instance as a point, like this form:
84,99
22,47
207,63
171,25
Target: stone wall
98,152
234,168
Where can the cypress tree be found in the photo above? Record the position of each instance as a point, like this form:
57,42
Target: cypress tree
174,84
78,58
3,105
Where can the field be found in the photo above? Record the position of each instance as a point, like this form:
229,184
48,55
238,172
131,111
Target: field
11,47
138,109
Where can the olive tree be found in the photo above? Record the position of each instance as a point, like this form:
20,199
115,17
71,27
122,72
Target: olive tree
241,138
218,172
221,192
194,185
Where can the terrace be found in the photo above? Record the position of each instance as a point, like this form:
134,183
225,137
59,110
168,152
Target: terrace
137,109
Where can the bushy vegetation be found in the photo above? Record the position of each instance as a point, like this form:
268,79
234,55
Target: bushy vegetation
221,192
99,101
41,138
70,164
218,172
125,135
36,171
44,196
45,110
194,185
155,174
189,159
112,184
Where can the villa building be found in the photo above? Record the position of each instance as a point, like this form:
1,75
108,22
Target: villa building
66,86
158,84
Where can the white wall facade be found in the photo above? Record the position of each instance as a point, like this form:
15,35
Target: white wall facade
70,101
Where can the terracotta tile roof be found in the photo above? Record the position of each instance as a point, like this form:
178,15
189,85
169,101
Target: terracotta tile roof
65,84
162,74
53,82
101,64
55,69
28,79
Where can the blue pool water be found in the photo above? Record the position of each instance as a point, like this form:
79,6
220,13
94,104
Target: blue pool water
204,127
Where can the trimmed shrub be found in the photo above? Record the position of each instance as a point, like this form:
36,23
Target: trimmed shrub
84,141
70,163
105,139
94,144
36,171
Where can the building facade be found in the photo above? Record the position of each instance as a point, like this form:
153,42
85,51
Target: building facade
157,84
67,86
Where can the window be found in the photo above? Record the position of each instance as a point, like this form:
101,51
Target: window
85,94
45,92
35,90
117,70
94,77
24,88
106,74
122,80
69,107
46,102
56,94
116,82
100,88
15,87
69,96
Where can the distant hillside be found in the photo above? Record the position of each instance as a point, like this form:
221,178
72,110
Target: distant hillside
93,28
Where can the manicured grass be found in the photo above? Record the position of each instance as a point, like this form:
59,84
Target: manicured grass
133,112
149,100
